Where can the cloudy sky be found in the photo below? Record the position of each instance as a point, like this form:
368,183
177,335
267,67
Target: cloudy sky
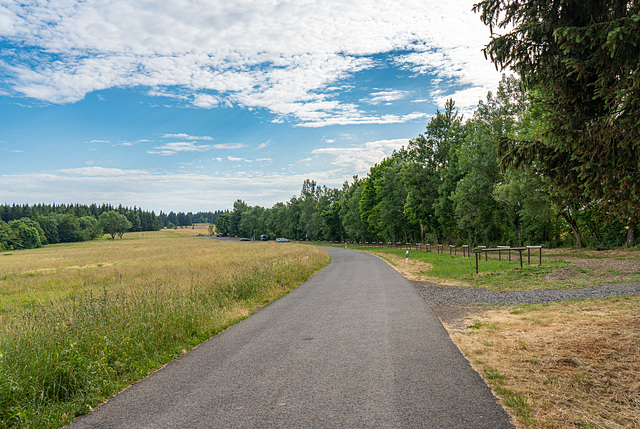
191,104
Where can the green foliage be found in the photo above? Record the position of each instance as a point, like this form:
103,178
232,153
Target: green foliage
23,236
114,223
90,227
69,229
580,62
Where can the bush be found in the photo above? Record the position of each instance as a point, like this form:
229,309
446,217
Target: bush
24,236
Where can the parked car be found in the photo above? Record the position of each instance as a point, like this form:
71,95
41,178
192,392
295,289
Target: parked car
264,237
282,240
245,239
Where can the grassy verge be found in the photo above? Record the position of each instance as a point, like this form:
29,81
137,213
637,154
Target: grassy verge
565,365
567,272
82,321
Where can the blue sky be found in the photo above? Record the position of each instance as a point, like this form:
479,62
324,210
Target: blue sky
190,105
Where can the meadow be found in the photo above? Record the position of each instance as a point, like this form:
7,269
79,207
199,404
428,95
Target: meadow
82,321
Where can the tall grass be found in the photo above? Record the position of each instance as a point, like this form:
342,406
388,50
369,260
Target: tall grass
61,356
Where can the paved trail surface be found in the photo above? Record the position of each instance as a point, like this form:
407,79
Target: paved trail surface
356,346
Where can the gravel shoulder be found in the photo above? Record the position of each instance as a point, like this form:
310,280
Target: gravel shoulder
452,304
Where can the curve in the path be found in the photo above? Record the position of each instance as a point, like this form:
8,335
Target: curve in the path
355,346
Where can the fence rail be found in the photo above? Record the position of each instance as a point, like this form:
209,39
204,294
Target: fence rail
467,250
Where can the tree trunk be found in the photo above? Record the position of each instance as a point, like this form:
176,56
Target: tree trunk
517,223
574,227
631,235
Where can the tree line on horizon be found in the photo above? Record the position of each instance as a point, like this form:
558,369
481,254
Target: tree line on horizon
182,219
552,158
29,226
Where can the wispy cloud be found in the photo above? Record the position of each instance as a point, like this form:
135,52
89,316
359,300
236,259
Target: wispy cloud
183,136
157,190
360,158
214,54
385,97
175,147
358,119
264,145
228,146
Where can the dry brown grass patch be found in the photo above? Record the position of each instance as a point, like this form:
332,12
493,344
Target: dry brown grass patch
575,365
415,270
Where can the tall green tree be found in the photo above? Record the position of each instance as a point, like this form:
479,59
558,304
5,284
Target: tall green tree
434,174
581,61
479,215
354,227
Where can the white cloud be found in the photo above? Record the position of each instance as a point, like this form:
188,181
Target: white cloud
99,172
206,101
288,56
175,147
228,146
264,145
183,136
359,119
358,159
156,190
386,96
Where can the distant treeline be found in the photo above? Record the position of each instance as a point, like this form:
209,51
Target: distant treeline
27,227
172,219
30,226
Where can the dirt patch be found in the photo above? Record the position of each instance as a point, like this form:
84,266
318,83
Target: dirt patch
415,270
568,365
606,266
607,270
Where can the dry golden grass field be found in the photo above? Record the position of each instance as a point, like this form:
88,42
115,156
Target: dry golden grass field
81,321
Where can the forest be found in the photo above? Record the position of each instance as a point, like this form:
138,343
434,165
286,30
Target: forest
552,158
451,184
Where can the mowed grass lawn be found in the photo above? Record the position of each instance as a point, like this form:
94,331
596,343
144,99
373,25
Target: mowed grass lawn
81,321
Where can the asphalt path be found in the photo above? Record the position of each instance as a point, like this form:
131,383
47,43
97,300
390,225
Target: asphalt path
355,346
